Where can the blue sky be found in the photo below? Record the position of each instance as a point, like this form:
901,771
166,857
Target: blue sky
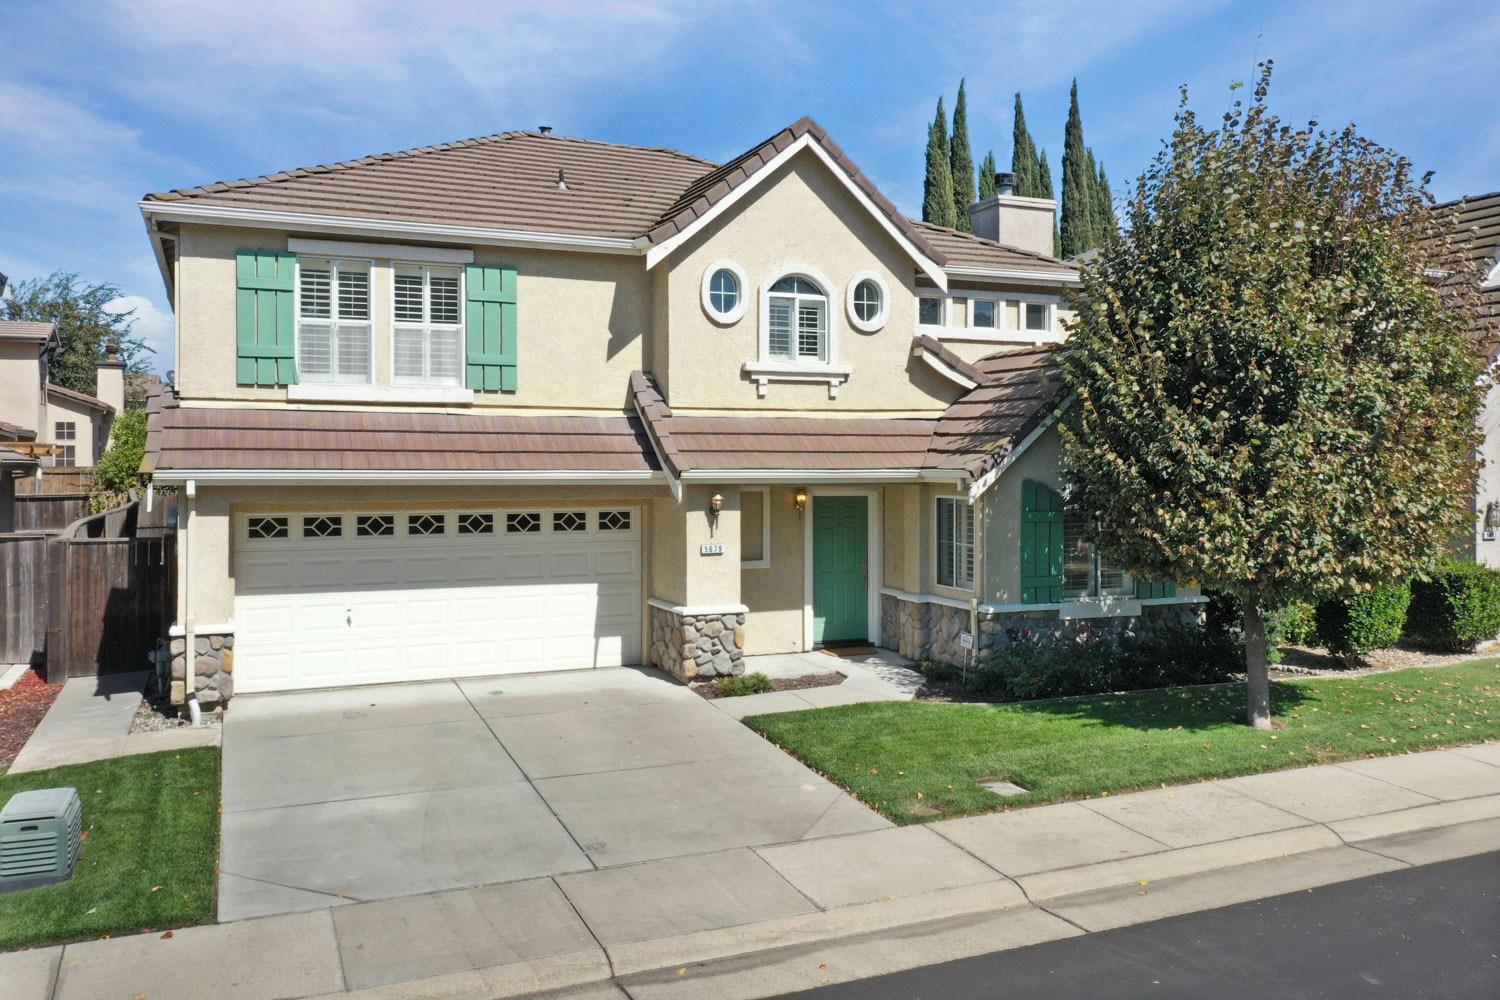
104,100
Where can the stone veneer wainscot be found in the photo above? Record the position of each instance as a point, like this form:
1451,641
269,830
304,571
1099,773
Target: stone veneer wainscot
213,667
697,645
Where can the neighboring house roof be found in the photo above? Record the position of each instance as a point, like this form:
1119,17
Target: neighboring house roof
1478,220
280,438
965,250
27,329
82,399
15,432
14,459
504,181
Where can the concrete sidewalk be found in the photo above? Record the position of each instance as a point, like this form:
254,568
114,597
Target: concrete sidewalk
756,922
91,720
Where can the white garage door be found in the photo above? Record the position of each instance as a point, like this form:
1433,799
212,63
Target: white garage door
371,596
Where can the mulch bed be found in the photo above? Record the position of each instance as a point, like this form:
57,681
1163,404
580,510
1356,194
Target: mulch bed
707,690
1303,661
21,709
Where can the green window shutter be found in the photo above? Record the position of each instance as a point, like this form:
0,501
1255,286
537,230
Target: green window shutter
1150,588
1041,544
265,329
490,328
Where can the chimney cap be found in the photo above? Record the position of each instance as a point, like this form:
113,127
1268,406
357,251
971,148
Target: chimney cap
1005,183
544,129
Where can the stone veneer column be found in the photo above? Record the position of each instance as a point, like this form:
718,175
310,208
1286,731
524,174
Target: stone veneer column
691,645
213,667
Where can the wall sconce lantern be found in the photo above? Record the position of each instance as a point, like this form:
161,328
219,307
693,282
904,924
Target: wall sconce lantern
799,499
1491,520
715,504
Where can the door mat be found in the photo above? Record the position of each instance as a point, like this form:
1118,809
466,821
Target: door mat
843,651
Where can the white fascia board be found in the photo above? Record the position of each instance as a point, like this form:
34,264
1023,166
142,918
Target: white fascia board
940,366
156,239
927,265
256,218
384,251
412,477
1014,274
989,479
804,477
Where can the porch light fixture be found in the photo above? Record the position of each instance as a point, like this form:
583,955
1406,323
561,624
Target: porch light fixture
799,499
1491,520
715,504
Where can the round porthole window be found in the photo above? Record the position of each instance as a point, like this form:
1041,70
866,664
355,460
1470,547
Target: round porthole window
724,291
869,303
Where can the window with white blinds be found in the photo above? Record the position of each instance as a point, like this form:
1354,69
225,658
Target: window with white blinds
333,321
798,321
955,543
428,327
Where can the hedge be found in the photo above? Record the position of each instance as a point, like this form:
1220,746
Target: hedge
1350,627
1458,608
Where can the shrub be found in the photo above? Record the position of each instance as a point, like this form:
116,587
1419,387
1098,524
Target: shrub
1290,625
1349,627
1457,609
1168,658
733,687
119,468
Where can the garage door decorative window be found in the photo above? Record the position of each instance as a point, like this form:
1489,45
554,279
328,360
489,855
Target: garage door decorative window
569,520
476,524
375,525
424,524
614,520
523,523
322,526
261,528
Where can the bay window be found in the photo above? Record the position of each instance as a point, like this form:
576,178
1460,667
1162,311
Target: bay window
333,321
427,329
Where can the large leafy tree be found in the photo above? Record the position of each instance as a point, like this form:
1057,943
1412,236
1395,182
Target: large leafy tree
1272,398
937,184
84,325
961,162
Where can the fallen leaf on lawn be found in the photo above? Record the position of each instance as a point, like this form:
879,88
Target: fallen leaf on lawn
93,909
874,770
156,888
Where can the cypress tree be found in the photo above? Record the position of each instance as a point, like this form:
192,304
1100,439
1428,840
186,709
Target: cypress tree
1023,155
961,162
987,171
937,186
1078,184
1109,225
1044,171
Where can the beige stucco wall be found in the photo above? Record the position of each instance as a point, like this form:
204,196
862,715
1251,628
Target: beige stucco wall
91,427
1487,488
20,385
581,320
801,217
775,593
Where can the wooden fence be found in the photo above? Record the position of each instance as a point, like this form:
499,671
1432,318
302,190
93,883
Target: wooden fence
91,600
49,511
55,480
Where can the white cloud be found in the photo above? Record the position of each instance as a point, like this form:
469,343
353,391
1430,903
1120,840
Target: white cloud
153,325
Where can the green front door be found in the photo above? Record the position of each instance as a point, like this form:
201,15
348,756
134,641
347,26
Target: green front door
840,569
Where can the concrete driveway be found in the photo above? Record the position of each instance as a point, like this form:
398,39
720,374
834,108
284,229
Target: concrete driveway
334,797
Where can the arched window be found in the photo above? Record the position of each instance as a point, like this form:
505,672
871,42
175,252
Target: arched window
798,320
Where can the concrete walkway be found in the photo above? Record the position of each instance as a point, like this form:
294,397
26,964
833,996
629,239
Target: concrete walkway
91,719
761,921
879,676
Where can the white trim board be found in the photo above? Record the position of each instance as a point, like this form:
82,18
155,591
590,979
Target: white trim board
764,562
902,595
380,251
940,366
417,477
799,477
698,609
927,265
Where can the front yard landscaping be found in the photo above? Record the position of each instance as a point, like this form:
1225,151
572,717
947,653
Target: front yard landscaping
920,761
151,845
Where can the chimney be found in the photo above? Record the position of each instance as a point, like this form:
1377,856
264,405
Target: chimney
1025,223
111,378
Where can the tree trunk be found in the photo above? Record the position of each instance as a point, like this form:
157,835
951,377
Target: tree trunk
1257,681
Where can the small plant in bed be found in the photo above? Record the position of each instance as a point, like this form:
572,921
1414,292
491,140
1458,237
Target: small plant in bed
734,687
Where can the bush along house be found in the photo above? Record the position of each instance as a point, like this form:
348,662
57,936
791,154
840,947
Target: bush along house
528,402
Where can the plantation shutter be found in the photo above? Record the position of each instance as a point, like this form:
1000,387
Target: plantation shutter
1041,544
1149,588
265,328
490,328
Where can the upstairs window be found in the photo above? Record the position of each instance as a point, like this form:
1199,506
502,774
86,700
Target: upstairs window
930,310
65,435
798,320
428,327
333,321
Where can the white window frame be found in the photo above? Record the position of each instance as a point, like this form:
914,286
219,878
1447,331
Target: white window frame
764,562
68,458
427,326
737,313
333,377
827,354
766,369
878,321
1094,589
945,307
998,334
961,503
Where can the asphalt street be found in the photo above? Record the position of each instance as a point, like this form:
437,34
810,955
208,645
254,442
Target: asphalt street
1428,932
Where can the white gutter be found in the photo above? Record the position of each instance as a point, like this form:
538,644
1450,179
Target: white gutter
816,476
256,218
1069,277
361,477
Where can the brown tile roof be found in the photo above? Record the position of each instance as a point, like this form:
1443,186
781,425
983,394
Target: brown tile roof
15,432
967,250
504,181
710,188
27,329
81,398
1478,220
282,438
979,430
927,344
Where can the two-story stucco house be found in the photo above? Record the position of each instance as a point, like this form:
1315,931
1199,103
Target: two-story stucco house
529,403
60,426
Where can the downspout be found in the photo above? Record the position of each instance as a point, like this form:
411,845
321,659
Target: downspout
978,581
189,627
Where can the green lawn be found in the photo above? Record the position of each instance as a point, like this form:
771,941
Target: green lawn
150,849
907,758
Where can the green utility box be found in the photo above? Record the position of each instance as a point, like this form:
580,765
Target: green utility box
40,834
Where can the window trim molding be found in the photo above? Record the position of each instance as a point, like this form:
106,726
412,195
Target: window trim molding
371,266
945,304
957,498
882,317
970,333
426,385
764,562
738,312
